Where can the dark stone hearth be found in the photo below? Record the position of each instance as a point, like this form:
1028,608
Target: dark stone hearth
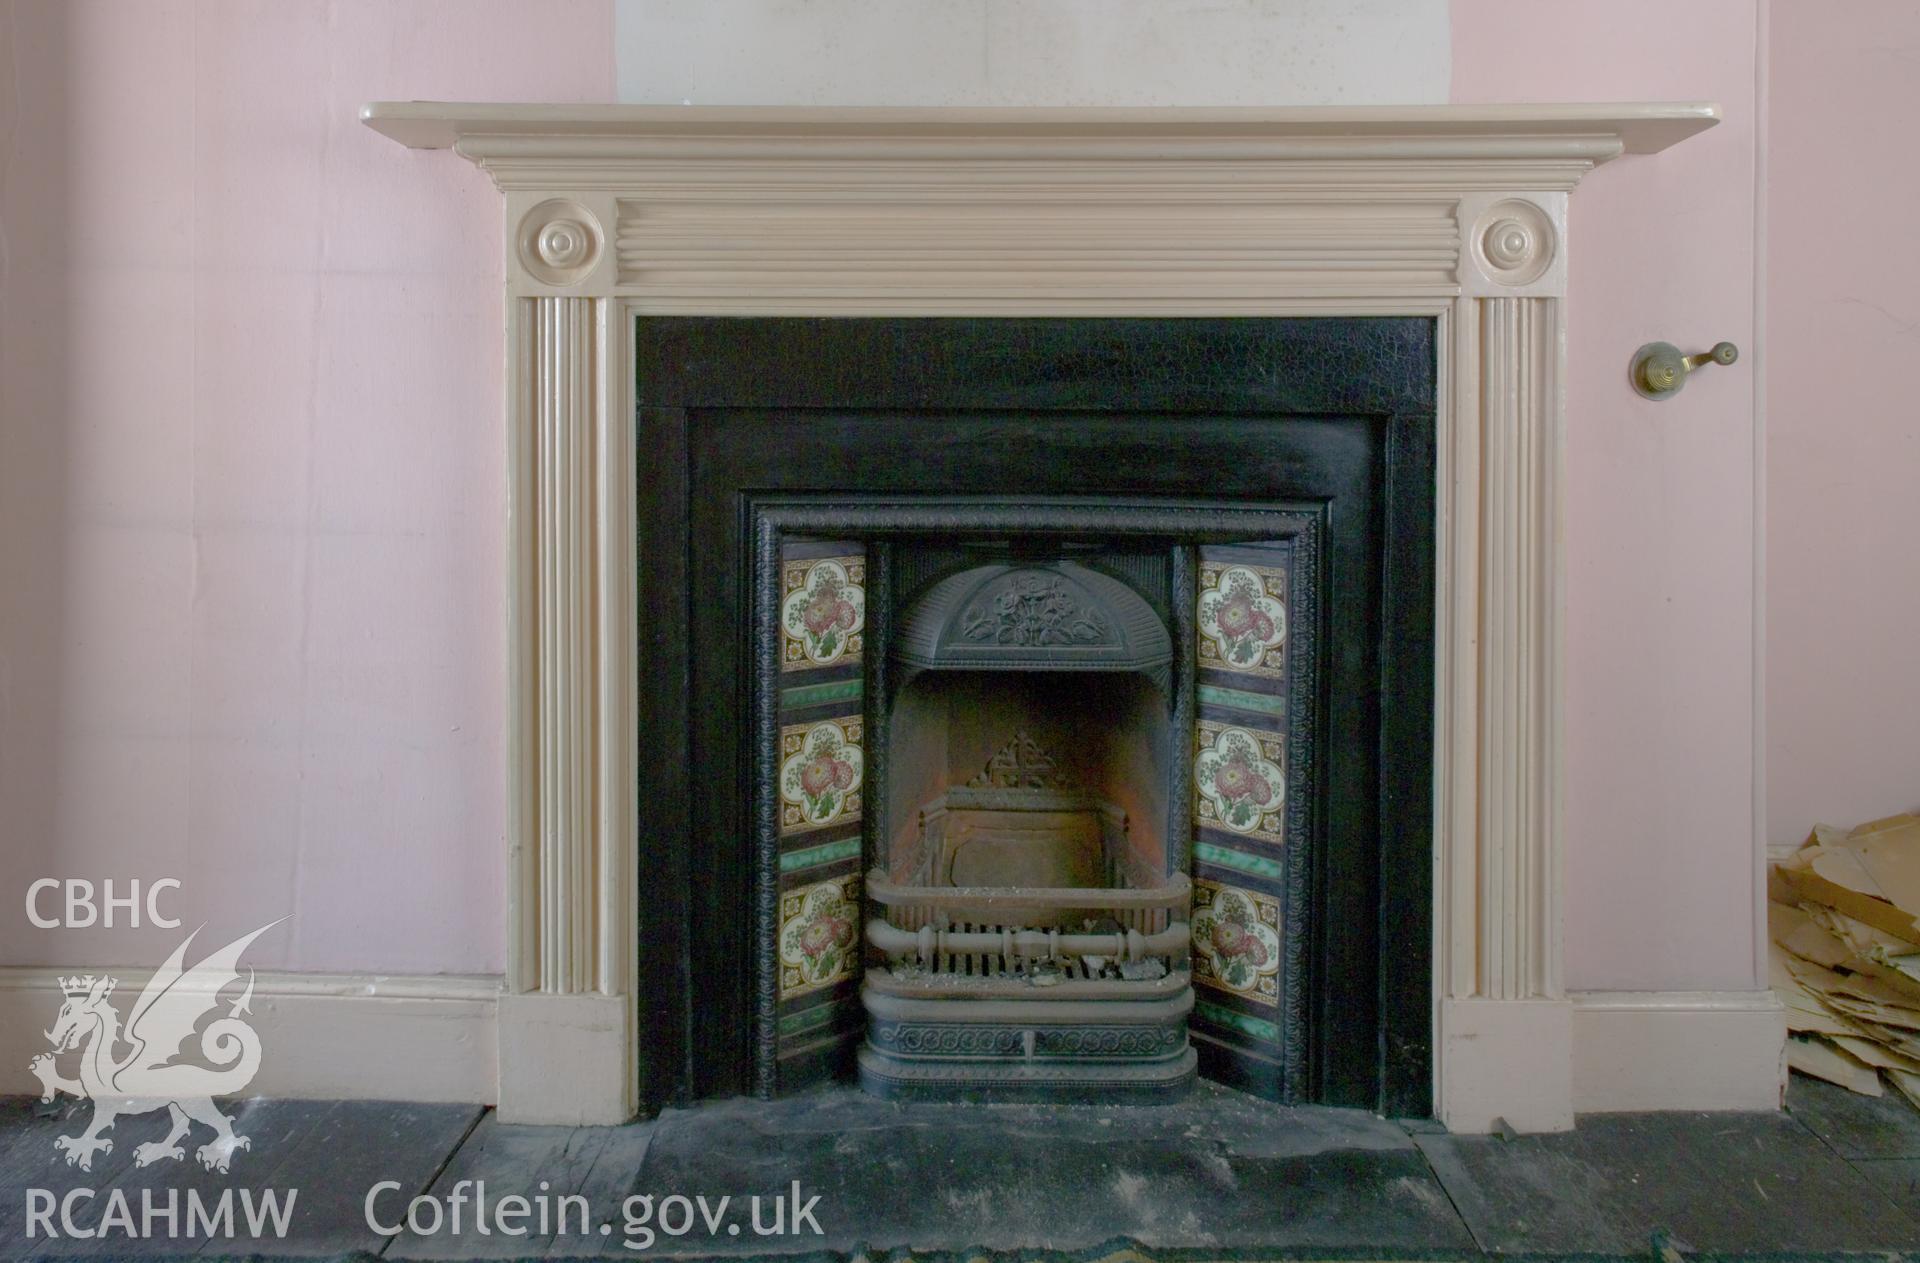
1223,1171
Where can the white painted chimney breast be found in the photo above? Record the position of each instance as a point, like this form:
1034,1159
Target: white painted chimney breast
1033,52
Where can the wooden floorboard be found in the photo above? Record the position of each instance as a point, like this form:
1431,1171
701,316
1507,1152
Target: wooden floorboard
1722,1183
32,1162
600,1166
615,1175
1855,1126
541,1165
273,1130
353,1146
27,1130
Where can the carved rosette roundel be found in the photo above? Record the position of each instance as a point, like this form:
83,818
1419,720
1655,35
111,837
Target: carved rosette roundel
559,242
1514,242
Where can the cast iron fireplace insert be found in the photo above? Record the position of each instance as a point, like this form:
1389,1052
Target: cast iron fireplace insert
1261,490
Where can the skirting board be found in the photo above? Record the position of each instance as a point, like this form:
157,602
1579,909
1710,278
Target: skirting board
1678,1050
435,1038
351,1036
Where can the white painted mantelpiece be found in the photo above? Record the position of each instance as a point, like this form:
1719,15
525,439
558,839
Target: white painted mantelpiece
1450,212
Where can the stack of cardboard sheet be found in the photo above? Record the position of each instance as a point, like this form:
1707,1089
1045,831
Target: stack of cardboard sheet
1845,921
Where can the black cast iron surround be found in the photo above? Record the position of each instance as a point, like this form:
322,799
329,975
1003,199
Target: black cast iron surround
1161,430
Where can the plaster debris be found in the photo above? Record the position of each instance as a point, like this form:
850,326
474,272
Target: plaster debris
1844,917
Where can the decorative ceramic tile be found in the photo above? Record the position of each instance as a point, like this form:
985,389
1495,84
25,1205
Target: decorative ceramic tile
1248,656
1234,1020
1236,941
1242,618
823,611
838,851
811,696
1237,780
819,935
796,1026
821,772
1270,705
1266,868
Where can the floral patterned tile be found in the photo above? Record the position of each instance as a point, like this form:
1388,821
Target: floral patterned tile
1238,782
823,611
1236,941
822,770
1241,616
819,935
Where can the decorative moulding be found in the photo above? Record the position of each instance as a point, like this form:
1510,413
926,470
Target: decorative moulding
1450,212
1598,131
989,618
916,211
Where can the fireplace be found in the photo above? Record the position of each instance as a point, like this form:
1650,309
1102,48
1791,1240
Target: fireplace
1056,702
629,979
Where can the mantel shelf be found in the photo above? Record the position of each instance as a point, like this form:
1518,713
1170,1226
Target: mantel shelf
1592,131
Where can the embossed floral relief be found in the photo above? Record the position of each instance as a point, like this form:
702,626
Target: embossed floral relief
1032,610
821,771
1242,619
1238,780
819,934
1236,940
824,611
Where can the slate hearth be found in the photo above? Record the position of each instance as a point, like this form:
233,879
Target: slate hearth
1255,493
1835,1172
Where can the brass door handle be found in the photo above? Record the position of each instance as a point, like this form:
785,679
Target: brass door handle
1659,370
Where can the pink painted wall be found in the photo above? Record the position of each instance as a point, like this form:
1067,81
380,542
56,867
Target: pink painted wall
251,579
251,573
1662,840
1843,465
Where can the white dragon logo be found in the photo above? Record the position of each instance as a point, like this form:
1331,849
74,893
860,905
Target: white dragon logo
149,1076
